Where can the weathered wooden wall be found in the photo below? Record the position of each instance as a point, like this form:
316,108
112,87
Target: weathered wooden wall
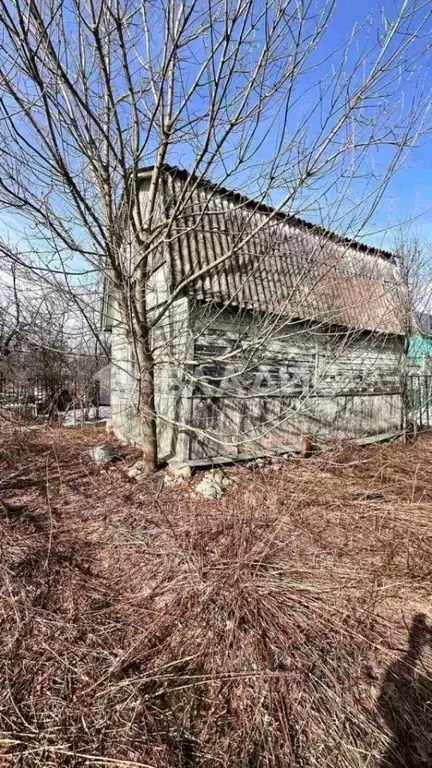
301,378
171,342
214,400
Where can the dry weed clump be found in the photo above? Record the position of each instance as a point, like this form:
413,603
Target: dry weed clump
280,626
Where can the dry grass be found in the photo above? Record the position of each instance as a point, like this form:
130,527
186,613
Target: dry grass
145,628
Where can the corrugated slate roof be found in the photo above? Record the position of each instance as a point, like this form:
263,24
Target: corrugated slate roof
254,257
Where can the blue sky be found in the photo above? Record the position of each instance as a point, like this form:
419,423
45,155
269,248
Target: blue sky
408,199
409,194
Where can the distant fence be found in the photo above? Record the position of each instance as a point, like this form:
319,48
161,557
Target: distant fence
46,397
419,397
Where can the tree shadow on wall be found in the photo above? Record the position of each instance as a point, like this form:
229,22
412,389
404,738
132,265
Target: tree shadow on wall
405,703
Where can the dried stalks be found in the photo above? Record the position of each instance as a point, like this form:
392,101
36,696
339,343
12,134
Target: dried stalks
144,628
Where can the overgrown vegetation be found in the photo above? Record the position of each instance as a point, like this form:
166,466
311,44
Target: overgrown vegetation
142,627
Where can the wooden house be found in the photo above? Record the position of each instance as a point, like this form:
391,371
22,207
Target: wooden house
266,328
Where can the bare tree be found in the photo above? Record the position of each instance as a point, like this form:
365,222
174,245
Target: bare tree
414,267
48,353
11,321
257,95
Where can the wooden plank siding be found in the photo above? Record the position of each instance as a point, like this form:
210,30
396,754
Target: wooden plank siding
306,379
301,381
171,344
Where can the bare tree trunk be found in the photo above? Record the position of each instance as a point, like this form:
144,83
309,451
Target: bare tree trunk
146,403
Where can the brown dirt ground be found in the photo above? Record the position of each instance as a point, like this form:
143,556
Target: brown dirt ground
278,626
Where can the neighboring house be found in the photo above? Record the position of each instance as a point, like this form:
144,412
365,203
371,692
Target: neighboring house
420,345
298,331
